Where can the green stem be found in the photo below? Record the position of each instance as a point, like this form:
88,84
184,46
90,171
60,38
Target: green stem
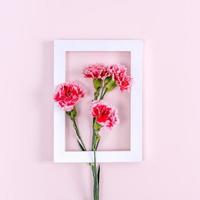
103,93
96,173
93,166
83,148
96,184
79,139
95,141
93,136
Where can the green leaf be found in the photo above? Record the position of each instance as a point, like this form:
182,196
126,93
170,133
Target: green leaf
110,85
97,83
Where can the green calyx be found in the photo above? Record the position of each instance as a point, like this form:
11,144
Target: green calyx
97,126
110,84
97,83
72,114
103,86
107,80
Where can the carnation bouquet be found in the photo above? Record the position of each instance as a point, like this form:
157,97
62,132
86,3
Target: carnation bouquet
69,94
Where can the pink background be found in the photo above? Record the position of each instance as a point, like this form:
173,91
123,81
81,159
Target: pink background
119,137
170,29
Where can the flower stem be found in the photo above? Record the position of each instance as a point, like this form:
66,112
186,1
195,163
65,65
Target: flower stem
79,139
96,184
95,141
99,94
104,90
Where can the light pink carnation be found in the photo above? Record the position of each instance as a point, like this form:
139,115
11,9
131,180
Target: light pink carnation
105,115
68,95
119,74
96,71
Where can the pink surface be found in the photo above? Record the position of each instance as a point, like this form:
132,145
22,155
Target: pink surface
170,29
119,137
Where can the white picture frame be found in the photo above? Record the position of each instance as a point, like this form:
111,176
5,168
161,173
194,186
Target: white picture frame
135,153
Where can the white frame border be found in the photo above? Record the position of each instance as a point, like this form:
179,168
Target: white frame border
136,48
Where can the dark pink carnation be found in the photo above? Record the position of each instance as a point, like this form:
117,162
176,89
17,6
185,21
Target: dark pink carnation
96,71
68,95
119,74
104,114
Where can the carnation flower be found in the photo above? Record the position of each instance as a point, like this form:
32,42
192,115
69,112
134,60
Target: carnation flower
96,71
105,115
68,95
119,74
124,82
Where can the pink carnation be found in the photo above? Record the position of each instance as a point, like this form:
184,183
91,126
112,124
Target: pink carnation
68,95
124,83
119,73
104,114
96,71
